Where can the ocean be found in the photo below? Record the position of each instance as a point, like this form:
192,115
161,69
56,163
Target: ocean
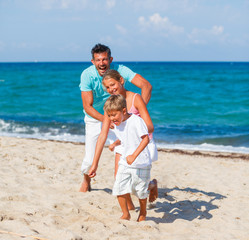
194,105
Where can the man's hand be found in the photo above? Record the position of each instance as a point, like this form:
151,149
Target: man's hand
130,159
92,171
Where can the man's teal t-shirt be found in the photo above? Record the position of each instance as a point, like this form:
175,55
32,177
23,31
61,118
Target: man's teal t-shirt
90,80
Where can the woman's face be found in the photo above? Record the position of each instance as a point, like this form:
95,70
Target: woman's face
113,86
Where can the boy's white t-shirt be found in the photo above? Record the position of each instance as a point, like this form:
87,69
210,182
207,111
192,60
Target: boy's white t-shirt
129,133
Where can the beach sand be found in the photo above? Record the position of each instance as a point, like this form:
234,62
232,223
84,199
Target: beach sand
201,195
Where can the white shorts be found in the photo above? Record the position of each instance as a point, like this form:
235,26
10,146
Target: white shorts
92,131
132,180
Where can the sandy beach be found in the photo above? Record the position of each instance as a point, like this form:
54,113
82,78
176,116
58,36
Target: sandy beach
202,195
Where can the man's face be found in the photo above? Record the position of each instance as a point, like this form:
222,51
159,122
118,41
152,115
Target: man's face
102,62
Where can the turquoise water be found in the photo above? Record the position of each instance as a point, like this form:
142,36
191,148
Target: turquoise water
194,105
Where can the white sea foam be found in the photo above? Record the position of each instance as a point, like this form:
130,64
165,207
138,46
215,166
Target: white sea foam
60,137
9,129
205,147
21,131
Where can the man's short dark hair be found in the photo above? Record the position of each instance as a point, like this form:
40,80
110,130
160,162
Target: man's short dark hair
100,48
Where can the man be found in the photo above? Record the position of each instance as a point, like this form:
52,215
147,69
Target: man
93,98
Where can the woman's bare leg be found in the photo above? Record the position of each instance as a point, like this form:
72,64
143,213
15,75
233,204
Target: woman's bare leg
117,158
153,190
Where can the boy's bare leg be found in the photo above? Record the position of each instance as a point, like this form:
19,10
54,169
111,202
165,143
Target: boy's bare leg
122,199
130,203
85,185
153,190
142,213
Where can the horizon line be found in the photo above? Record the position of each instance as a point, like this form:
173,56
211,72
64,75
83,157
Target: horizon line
168,61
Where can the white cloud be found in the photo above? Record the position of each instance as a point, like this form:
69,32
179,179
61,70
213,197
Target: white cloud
121,29
74,4
217,30
71,47
158,23
110,3
179,6
25,45
63,4
203,36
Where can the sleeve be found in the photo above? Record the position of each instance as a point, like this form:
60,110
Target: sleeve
141,127
85,82
126,72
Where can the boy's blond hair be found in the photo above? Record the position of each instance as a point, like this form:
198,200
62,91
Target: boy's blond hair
115,103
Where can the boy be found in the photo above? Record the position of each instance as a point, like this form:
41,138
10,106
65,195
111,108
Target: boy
133,173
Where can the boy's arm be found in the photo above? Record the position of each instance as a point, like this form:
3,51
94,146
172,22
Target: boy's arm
99,146
131,158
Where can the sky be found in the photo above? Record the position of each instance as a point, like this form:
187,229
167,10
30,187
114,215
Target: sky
135,30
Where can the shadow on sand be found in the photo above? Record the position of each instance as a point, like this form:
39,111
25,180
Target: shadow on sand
185,209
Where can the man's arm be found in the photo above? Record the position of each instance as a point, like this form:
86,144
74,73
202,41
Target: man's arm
144,85
87,100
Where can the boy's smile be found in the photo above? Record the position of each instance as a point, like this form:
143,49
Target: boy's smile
116,117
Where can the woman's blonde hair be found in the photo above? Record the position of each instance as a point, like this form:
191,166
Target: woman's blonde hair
115,103
110,73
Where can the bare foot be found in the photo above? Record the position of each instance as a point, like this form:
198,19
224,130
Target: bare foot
153,190
126,217
85,185
141,218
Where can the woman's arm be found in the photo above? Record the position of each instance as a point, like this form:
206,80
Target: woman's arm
144,85
143,111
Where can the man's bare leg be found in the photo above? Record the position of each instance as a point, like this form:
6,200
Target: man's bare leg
86,184
122,199
142,213
153,190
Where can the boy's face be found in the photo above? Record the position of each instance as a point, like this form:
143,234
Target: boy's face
117,117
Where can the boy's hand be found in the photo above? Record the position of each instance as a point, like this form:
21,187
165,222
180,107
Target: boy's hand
112,147
112,126
130,159
92,172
